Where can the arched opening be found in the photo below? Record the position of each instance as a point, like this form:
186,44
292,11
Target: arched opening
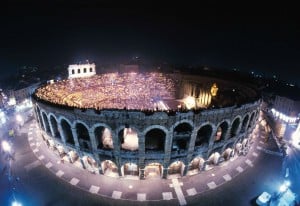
104,138
181,137
90,164
84,70
47,126
83,136
40,120
62,153
251,120
196,165
235,127
155,140
51,144
74,158
67,132
244,124
227,153
153,170
238,148
130,170
109,168
213,159
128,138
221,132
203,135
54,127
175,170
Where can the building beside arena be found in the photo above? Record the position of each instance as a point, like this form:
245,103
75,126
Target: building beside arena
145,125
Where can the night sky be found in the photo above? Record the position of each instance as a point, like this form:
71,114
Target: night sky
250,37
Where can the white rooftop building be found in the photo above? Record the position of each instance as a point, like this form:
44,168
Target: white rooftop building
81,70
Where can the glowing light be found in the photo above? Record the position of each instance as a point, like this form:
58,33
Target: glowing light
5,146
189,102
214,89
19,118
296,137
15,203
284,186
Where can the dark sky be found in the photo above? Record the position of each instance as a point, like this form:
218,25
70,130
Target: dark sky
248,37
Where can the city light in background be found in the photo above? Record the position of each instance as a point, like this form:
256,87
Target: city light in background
2,117
284,117
6,146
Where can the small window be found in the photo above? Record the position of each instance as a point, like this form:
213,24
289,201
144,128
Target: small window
73,72
91,69
84,70
78,71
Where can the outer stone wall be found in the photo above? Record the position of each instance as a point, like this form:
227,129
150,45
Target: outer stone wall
185,136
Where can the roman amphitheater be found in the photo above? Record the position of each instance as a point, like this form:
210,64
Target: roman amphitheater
145,125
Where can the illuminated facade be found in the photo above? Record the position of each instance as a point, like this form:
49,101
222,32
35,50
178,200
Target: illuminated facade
141,144
81,70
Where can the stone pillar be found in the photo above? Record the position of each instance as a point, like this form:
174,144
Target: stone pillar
116,151
75,137
44,124
141,163
228,133
60,130
51,129
165,172
167,153
96,157
81,161
186,163
239,129
190,151
212,138
93,140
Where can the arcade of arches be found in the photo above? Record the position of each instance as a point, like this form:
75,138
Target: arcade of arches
86,147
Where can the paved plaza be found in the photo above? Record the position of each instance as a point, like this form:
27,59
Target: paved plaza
189,190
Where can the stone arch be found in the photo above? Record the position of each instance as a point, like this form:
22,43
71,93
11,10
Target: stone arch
74,157
54,125
67,131
82,133
213,159
235,126
130,169
222,130
90,163
47,125
197,164
182,132
245,123
176,169
153,170
228,153
109,168
155,138
103,136
204,134
128,138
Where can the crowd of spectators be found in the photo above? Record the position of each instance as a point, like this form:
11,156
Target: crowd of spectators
111,91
